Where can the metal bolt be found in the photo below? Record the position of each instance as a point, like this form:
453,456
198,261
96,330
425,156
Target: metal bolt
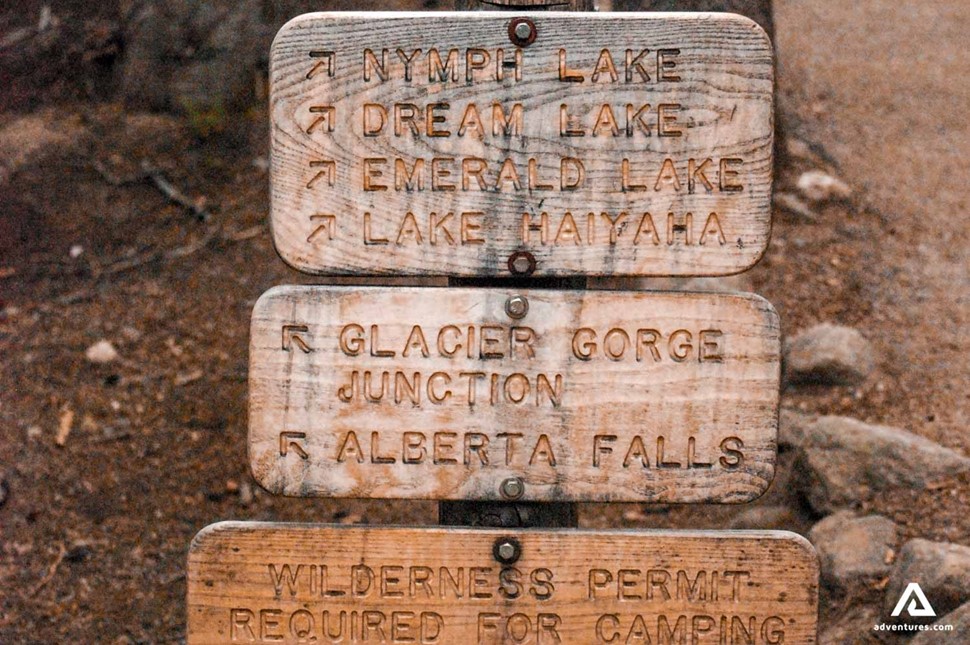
522,32
522,263
517,306
512,488
507,550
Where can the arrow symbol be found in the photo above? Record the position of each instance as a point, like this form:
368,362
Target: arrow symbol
327,114
328,60
329,170
291,336
328,227
289,440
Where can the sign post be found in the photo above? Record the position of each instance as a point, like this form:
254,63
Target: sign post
515,154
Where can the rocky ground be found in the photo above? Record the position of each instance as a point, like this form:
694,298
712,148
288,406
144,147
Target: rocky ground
124,312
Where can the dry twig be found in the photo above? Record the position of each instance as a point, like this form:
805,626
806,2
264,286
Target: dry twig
197,206
51,570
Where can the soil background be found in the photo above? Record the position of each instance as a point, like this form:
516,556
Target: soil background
96,521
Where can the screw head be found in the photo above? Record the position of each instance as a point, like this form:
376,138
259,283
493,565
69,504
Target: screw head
512,488
522,263
522,32
507,550
517,306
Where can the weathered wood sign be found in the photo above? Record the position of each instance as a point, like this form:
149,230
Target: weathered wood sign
289,583
496,394
548,143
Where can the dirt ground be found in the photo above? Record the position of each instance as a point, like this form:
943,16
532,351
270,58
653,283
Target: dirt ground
96,521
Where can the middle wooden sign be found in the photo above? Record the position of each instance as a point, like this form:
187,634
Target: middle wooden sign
489,394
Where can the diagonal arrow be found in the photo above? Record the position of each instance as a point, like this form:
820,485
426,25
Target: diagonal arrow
289,440
291,336
327,227
328,57
329,171
327,114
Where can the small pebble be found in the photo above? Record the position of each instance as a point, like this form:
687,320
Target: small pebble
817,186
101,352
245,493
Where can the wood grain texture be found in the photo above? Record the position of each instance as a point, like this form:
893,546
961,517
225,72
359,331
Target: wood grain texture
440,394
394,585
715,155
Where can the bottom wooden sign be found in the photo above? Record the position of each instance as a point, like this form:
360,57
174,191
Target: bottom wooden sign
295,583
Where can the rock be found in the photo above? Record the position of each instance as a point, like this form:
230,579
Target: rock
30,138
202,57
854,551
800,149
765,517
855,626
192,56
817,186
793,205
829,355
941,569
958,619
245,493
843,461
792,428
101,352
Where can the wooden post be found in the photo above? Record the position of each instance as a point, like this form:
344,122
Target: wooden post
499,514
530,5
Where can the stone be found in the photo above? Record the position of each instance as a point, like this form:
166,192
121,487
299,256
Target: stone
828,354
101,352
817,186
28,139
245,493
941,569
958,619
202,58
843,461
190,55
854,552
854,626
794,205
793,427
765,517
799,149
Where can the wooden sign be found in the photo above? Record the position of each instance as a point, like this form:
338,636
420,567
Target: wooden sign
490,394
492,144
291,583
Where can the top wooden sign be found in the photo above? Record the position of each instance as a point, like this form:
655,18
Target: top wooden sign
493,144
